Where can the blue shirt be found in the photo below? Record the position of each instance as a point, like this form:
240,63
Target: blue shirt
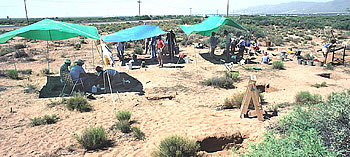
75,72
212,41
265,59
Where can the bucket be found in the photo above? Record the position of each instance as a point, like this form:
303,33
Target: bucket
187,60
320,63
310,62
300,61
304,62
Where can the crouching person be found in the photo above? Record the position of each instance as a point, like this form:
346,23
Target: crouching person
104,74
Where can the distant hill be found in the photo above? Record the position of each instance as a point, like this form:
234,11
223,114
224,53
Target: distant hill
335,6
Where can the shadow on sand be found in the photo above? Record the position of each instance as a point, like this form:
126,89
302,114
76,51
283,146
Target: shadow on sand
54,87
221,59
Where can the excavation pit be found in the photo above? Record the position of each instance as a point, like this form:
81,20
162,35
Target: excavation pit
214,143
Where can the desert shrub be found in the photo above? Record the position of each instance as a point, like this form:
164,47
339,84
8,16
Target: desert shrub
278,65
308,38
123,126
44,72
138,134
220,82
30,88
138,50
83,41
6,50
123,115
306,97
333,120
93,138
12,74
232,75
19,46
27,71
77,46
234,102
323,84
305,143
45,120
78,102
318,130
329,66
177,146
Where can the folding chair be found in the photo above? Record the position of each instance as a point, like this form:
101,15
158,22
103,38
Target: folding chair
69,82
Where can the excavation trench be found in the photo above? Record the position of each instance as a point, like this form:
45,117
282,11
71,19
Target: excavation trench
218,143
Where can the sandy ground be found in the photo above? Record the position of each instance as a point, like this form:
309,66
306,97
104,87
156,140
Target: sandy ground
191,113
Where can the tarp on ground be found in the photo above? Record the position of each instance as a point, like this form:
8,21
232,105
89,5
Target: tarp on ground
209,25
52,30
134,33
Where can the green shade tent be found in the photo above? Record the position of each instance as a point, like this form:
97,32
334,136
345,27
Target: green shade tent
211,24
52,30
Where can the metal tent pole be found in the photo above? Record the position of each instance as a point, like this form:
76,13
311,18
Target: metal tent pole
47,51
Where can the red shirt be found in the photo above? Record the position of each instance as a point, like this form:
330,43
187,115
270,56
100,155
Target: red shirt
160,43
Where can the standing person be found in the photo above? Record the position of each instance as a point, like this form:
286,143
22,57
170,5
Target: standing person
233,45
147,41
171,39
64,69
241,46
227,44
153,47
160,48
120,52
212,44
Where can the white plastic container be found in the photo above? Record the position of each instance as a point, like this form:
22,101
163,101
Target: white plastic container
94,89
129,65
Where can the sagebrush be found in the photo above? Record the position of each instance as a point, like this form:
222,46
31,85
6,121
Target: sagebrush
177,146
78,102
93,138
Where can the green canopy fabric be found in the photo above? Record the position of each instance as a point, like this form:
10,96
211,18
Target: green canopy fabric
211,24
52,30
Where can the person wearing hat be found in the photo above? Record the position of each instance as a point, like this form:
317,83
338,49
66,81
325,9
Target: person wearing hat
64,69
78,72
113,75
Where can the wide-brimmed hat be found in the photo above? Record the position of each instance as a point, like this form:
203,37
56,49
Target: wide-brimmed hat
159,34
79,61
98,67
242,37
67,61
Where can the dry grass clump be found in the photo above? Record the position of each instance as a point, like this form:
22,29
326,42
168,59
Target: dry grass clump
45,120
304,97
177,146
234,102
78,102
93,138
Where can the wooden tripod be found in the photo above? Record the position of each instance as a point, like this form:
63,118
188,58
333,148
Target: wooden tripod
252,94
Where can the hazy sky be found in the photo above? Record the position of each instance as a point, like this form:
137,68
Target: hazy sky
75,8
